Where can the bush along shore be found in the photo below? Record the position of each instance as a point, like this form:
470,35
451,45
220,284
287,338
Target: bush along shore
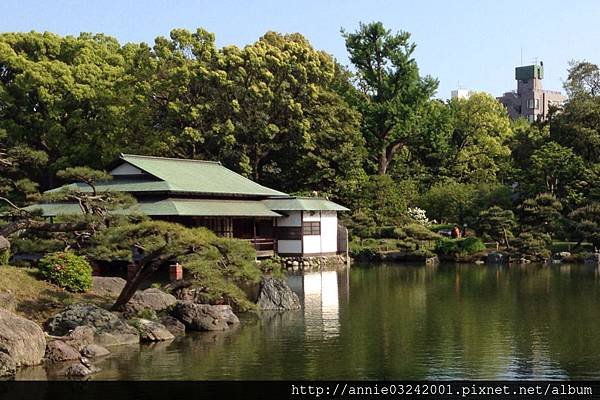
427,243
68,332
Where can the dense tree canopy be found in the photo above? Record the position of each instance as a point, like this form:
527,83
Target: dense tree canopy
287,115
394,97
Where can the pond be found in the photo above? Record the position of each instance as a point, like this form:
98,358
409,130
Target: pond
398,322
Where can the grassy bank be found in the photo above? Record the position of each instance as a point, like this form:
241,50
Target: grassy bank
37,299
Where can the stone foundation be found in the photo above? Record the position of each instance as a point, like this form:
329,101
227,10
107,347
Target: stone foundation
308,263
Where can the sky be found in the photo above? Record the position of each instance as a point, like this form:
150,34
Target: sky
474,44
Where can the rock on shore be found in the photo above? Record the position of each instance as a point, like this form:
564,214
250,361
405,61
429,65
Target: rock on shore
110,330
21,340
275,294
151,331
204,317
149,299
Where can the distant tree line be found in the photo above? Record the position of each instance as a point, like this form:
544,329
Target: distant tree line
371,136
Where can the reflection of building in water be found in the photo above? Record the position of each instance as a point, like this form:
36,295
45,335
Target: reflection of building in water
320,294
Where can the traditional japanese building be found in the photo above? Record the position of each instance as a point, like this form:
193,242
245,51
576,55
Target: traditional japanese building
205,193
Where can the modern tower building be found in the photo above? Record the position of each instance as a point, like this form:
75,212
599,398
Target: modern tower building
530,100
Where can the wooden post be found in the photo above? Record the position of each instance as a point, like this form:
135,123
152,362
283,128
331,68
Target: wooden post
175,272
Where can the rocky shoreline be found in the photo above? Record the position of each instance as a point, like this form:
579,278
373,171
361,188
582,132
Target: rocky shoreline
69,343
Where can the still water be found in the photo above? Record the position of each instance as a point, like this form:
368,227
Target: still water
400,322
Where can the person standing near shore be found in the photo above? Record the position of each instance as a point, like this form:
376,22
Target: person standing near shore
455,232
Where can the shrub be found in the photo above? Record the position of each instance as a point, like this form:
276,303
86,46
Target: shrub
400,233
67,270
532,244
272,266
386,232
4,256
420,232
147,313
466,246
471,245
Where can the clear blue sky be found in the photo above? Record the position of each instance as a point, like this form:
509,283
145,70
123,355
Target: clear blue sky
476,43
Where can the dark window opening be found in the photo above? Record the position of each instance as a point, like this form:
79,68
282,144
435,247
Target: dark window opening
311,228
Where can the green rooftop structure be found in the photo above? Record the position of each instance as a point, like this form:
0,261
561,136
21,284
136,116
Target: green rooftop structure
205,193
525,72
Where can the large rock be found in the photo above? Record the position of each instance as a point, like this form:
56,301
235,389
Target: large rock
80,370
107,285
110,330
80,337
8,366
173,325
204,317
4,243
151,331
8,301
94,351
58,351
497,257
21,339
275,294
149,299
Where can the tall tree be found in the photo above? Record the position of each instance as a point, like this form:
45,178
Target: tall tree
583,79
64,96
479,150
394,95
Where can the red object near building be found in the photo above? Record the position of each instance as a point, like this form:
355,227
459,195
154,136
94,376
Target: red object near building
176,272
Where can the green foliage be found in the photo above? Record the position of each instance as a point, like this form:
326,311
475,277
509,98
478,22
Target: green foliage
542,213
419,232
462,202
479,151
381,201
272,266
4,256
583,79
67,270
147,313
532,244
218,266
461,247
555,169
586,221
394,97
496,223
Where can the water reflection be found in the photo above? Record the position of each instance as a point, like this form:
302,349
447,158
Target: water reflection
399,322
319,295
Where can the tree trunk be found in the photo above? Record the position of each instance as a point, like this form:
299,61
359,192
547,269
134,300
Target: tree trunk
386,155
132,285
506,239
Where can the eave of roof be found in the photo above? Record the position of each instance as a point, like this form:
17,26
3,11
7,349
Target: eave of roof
303,204
172,207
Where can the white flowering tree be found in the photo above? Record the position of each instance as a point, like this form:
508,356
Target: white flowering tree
419,215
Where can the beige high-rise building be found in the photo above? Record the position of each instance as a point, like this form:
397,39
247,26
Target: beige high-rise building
530,101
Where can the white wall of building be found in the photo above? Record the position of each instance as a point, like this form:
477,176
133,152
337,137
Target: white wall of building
326,242
329,231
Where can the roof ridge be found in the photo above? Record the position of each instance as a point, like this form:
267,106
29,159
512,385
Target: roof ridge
123,155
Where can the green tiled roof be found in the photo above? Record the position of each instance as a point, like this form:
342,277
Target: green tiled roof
121,185
173,207
195,176
303,204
